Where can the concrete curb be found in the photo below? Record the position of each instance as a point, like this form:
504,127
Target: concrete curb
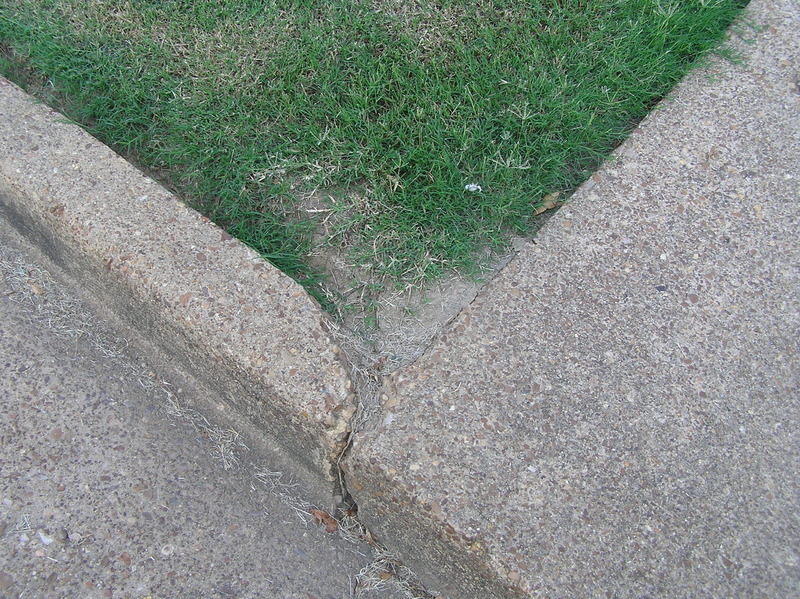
213,306
616,414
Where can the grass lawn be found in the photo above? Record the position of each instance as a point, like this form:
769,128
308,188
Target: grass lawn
411,137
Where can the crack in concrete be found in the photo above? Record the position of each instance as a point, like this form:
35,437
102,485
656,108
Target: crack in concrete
365,368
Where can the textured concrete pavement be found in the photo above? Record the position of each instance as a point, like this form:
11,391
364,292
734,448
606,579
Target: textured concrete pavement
616,414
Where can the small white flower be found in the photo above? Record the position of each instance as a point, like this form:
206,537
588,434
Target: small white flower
473,187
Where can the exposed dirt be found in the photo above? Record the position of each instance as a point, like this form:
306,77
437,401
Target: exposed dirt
394,325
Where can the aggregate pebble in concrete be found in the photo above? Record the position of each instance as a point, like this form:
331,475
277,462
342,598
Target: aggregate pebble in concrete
616,414
224,313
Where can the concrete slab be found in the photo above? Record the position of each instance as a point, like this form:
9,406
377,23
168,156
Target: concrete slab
214,306
616,414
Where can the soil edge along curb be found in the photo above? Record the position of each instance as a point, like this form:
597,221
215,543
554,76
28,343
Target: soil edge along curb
216,308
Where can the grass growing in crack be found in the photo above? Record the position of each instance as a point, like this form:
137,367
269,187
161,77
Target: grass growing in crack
382,109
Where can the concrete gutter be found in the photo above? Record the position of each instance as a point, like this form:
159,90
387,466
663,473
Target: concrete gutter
616,414
213,306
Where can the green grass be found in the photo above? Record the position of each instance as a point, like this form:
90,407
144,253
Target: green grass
372,116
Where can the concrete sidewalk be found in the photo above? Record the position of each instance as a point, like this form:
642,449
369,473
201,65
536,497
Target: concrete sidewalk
616,414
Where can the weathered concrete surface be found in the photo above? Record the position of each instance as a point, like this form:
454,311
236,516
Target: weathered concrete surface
616,414
224,314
